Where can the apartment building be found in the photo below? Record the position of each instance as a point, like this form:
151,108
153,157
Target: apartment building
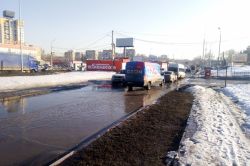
11,30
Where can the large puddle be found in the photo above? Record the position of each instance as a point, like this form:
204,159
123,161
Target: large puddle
34,130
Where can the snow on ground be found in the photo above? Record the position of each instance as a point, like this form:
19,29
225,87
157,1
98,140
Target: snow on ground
25,82
240,94
213,135
233,71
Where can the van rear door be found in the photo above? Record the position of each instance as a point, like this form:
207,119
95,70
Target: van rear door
135,72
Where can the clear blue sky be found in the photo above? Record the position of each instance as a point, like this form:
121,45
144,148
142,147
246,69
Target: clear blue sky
78,23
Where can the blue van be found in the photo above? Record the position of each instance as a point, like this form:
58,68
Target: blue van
143,74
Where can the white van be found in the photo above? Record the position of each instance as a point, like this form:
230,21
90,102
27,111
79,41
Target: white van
179,69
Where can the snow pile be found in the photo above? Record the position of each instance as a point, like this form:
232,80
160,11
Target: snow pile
240,94
213,135
233,71
25,82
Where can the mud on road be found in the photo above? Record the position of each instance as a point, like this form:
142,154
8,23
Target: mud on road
143,139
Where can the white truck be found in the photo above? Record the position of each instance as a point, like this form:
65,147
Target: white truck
12,62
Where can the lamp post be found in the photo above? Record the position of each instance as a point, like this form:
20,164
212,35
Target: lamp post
20,35
51,53
219,51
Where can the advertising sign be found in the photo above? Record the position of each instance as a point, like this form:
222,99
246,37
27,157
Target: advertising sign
124,42
100,66
8,14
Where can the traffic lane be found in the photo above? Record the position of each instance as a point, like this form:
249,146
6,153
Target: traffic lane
39,128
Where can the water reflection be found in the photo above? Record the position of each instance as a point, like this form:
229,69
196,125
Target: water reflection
11,106
140,97
62,119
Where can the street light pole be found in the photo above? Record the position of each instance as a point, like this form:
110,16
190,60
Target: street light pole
219,51
51,53
20,36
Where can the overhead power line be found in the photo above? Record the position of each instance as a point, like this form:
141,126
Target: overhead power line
171,43
146,34
93,43
160,42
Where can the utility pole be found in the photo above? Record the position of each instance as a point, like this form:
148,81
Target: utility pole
113,46
20,36
124,52
219,52
203,50
51,56
209,58
51,53
219,44
226,78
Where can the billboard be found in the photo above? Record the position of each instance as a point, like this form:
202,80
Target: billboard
124,42
8,14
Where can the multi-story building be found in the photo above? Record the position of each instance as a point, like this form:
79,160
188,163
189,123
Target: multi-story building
69,55
239,59
130,53
12,37
78,56
105,55
91,54
11,30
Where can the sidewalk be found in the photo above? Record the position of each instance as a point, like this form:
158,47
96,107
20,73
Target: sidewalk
213,135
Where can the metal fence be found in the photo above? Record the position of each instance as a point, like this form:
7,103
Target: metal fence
241,74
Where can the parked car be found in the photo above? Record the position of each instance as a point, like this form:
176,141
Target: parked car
170,76
46,67
119,78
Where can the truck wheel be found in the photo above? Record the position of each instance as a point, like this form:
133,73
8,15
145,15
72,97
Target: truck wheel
130,88
148,87
162,83
33,71
124,84
113,84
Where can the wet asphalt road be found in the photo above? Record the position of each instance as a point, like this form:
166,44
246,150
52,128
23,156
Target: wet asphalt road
34,130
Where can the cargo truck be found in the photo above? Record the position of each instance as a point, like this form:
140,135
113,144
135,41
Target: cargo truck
12,62
143,74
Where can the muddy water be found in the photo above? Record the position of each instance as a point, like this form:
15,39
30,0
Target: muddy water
34,130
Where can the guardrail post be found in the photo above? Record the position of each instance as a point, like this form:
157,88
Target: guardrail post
226,78
1,64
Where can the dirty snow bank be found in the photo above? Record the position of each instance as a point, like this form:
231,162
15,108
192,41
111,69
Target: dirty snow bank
25,82
213,135
240,94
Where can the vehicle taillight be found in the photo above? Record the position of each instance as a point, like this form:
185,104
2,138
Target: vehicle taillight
139,66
